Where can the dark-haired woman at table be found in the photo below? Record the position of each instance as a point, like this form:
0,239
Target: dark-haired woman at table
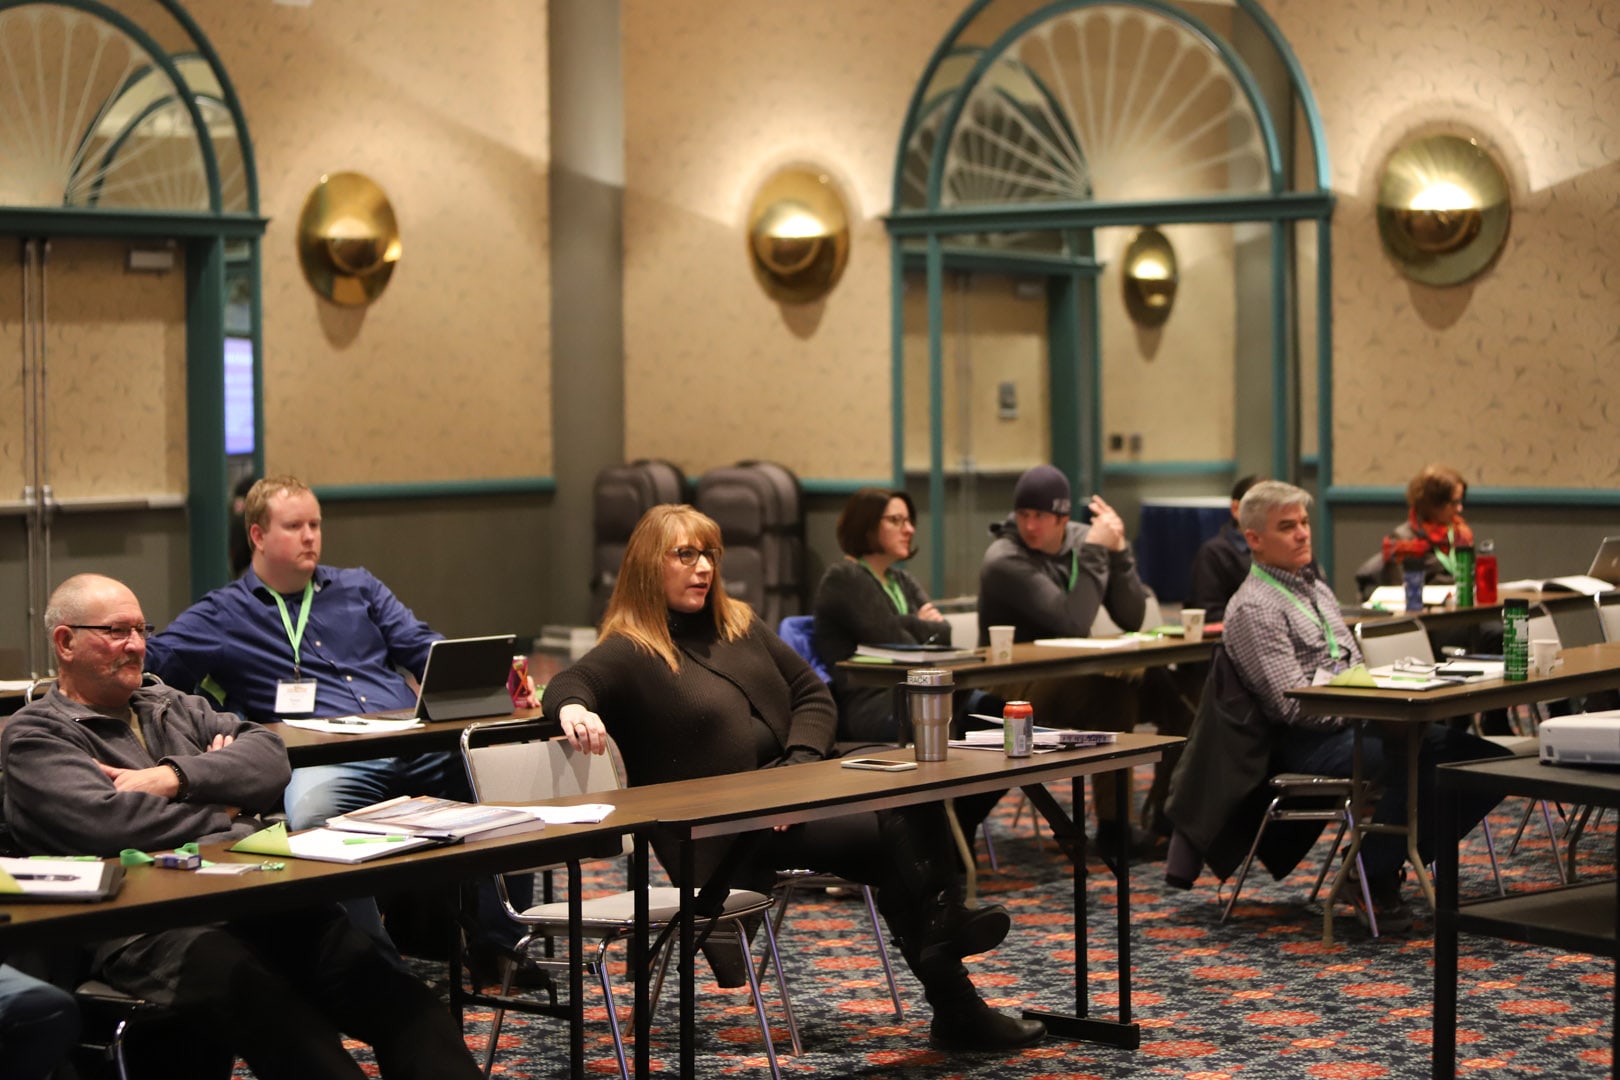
690,684
867,599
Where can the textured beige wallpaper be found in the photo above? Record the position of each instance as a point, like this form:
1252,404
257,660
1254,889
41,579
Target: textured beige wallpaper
1511,377
1508,377
447,375
1171,385
115,376
718,93
995,332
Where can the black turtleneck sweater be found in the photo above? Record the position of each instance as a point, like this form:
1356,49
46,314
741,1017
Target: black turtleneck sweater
733,707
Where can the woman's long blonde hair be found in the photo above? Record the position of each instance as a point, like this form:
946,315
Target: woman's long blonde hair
638,609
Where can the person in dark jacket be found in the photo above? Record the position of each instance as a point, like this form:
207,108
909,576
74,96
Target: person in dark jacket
103,763
1048,576
690,684
1221,563
867,599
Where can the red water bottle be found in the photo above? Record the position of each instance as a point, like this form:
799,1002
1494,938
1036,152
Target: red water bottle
1485,573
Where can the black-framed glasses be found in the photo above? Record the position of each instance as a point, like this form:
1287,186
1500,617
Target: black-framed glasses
899,521
689,555
119,634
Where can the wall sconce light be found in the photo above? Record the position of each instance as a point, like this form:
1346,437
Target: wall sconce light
348,240
1443,209
798,235
1150,278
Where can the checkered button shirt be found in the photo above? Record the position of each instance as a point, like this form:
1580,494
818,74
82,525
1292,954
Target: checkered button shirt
1277,646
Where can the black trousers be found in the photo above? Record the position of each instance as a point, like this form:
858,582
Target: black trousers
281,992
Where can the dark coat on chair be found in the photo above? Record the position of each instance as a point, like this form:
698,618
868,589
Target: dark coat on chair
1218,792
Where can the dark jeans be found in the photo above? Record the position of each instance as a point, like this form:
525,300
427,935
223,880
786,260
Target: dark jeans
39,1024
1383,759
283,990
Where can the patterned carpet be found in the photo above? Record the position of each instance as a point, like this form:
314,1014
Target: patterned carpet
1257,998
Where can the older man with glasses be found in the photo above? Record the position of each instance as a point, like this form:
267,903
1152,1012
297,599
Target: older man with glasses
103,763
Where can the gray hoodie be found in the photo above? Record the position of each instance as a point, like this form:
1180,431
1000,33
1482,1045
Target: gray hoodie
1058,595
58,802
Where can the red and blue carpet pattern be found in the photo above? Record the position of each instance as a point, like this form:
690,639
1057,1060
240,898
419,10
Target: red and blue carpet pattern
1257,998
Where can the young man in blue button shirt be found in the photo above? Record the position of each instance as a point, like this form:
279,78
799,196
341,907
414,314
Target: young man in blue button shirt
292,637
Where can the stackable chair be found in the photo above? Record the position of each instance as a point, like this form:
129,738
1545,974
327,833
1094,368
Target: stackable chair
1608,605
509,762
1574,621
1299,797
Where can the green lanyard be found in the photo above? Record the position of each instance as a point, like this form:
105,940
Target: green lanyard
295,636
890,586
1448,561
1074,568
1315,617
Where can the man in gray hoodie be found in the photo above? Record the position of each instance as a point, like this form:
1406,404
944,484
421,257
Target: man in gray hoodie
104,763
1048,576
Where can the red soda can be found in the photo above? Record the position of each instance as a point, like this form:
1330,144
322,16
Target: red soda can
1018,728
517,680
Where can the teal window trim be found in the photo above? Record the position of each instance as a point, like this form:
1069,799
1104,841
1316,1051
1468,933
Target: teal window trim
1352,495
129,224
995,52
833,485
437,489
1057,215
1225,467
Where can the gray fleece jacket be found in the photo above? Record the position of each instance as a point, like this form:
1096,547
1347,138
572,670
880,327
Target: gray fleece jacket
58,802
1046,596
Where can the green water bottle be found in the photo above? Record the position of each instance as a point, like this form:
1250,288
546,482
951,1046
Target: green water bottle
1515,639
1464,554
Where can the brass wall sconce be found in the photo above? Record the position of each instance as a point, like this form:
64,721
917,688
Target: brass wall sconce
348,240
1150,278
1443,209
798,235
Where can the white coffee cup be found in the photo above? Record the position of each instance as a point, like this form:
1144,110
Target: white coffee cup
1001,642
1544,655
1192,624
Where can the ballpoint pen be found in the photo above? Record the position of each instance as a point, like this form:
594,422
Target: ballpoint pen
374,839
347,721
43,877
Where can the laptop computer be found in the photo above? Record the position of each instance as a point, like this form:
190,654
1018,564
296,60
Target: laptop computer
1606,563
465,678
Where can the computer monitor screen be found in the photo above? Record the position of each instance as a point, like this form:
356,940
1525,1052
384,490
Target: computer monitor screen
238,395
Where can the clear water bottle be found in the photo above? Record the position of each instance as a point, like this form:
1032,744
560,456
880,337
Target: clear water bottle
1412,577
1485,573
1515,639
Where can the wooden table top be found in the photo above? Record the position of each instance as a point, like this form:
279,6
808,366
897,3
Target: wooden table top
306,747
1031,661
1585,669
154,899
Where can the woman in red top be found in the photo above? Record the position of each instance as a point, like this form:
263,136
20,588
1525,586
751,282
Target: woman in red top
1433,530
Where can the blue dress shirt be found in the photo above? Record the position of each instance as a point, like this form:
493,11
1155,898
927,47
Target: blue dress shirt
358,633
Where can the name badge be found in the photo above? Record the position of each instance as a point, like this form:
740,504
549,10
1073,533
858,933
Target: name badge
295,697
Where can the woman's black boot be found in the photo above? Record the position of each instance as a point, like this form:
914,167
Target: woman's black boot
963,1022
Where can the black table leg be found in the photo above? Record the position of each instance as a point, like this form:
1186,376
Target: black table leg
1121,1033
576,975
640,962
688,966
1444,1041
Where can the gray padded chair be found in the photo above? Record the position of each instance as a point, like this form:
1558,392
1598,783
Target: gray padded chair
515,766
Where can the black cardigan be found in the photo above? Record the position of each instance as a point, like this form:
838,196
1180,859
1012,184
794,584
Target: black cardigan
852,609
700,721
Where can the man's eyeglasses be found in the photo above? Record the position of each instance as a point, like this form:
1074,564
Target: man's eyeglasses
119,634
899,521
689,555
